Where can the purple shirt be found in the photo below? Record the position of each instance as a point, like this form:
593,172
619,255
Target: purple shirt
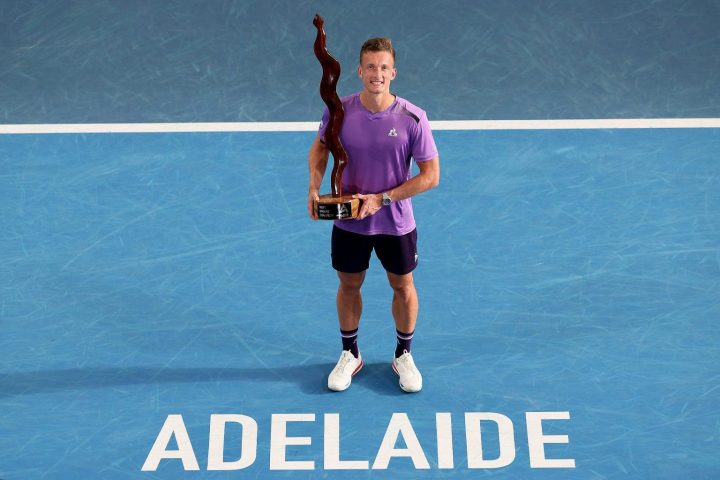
380,147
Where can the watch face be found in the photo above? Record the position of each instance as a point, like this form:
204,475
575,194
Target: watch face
386,199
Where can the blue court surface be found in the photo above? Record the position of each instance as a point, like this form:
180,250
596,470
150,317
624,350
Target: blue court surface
167,308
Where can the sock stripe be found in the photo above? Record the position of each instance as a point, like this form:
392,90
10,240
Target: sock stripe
348,333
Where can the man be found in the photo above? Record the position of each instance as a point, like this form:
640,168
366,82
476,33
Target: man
381,133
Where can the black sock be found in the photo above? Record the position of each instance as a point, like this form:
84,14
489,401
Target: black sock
404,341
349,341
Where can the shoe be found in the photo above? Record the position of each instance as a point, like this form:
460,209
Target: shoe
341,376
410,378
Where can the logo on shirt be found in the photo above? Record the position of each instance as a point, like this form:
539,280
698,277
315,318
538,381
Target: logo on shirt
392,133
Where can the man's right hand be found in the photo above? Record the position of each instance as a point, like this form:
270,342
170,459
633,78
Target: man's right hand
313,198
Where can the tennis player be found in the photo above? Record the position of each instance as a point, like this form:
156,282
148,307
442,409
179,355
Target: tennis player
382,134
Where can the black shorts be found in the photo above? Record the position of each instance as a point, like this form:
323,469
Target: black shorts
351,251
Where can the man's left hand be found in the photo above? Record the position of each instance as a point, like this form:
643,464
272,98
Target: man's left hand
370,204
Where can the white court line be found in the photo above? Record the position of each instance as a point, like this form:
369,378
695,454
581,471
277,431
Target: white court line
578,124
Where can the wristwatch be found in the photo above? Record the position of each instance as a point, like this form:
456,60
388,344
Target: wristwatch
386,200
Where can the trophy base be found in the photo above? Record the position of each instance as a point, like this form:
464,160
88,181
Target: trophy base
337,208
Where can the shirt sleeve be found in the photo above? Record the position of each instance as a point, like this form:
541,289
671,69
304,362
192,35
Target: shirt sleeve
324,124
424,148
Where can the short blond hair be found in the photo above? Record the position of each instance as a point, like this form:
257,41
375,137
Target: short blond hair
382,44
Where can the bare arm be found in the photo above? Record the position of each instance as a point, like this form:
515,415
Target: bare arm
427,178
317,163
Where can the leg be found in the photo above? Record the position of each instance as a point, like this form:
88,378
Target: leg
400,256
405,301
349,300
350,253
351,259
405,311
349,307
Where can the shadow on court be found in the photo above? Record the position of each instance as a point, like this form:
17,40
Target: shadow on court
310,379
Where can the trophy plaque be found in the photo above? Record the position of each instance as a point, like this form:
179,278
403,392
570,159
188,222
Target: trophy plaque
335,205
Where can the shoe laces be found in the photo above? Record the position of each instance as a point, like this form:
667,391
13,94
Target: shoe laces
345,358
406,360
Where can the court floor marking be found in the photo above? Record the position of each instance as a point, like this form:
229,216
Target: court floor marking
560,124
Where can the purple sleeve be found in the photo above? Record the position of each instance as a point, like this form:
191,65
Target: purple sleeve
424,148
323,124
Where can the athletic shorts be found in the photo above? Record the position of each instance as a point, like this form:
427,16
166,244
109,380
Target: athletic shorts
351,251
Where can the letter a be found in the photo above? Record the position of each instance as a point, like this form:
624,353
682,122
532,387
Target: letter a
400,425
173,425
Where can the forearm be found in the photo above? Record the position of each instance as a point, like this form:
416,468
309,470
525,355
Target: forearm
428,178
317,164
418,184
317,172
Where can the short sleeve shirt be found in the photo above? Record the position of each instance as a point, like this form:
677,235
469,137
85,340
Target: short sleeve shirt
380,148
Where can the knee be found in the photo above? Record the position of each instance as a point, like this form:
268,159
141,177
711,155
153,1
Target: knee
350,284
349,289
403,289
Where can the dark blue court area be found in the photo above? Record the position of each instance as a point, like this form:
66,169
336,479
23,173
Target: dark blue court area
167,308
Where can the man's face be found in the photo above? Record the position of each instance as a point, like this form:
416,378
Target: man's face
376,71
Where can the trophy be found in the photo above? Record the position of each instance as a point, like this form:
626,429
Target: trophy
335,205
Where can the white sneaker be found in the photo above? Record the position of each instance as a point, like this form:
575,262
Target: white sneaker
410,378
341,376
